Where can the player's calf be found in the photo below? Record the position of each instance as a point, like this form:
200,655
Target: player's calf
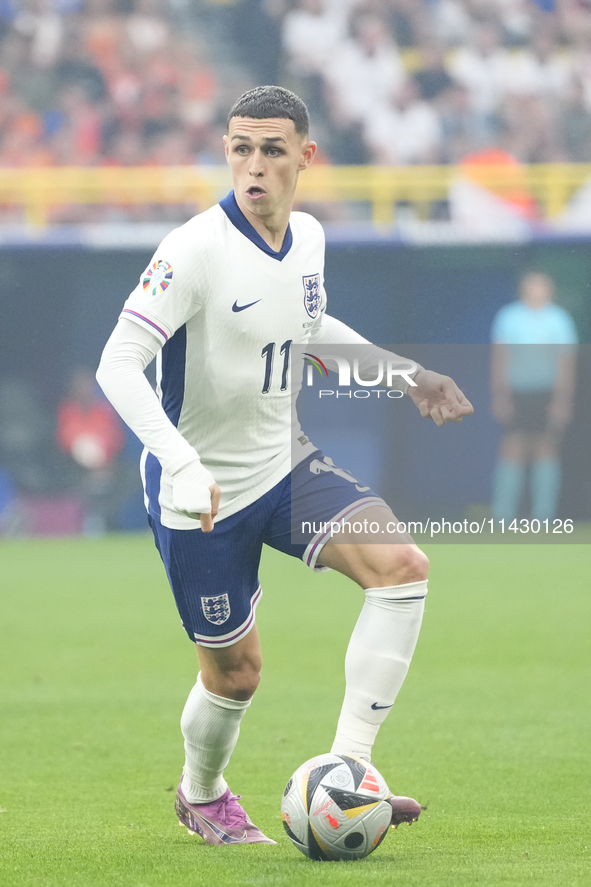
377,661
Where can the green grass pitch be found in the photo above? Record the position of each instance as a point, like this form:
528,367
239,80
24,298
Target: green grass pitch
491,730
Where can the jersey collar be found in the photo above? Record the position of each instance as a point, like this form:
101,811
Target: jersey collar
239,220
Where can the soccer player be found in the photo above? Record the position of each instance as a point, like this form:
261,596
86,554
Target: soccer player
220,305
533,386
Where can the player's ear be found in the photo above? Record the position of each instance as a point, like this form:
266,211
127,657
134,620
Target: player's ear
227,148
308,152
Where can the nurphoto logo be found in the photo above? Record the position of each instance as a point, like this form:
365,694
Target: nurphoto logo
387,371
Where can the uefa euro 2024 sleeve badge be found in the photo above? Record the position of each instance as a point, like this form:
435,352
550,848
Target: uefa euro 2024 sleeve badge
157,278
216,608
312,294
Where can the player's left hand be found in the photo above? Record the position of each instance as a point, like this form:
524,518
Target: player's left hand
439,398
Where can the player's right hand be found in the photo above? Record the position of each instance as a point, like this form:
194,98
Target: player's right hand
438,397
196,494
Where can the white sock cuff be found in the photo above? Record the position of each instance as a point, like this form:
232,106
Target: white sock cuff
410,591
221,701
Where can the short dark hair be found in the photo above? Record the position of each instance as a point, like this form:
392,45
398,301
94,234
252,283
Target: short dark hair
264,102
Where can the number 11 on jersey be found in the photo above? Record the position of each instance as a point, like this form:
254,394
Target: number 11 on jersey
268,353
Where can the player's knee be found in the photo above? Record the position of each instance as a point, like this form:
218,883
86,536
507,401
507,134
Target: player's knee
241,682
409,564
399,565
247,685
236,678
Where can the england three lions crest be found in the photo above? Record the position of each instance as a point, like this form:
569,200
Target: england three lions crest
216,609
312,297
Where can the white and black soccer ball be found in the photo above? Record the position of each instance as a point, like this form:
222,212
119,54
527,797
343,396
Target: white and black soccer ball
335,807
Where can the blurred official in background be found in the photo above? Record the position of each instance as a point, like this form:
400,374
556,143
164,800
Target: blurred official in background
533,383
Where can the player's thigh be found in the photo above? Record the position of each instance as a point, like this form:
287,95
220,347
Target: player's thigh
214,577
318,499
375,551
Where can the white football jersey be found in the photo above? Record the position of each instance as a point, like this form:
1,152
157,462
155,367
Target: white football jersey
227,309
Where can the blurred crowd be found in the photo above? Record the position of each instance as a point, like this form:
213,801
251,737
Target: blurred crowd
430,81
86,82
125,82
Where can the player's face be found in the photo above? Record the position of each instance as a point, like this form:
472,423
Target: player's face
266,158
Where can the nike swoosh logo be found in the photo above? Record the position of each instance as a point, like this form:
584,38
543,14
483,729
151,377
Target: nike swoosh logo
375,706
236,307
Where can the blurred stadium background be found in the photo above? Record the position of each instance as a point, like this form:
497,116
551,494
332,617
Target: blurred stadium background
455,142
455,152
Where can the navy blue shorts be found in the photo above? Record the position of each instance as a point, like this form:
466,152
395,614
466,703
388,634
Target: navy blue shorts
214,576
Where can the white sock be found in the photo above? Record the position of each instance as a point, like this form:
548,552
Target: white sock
210,725
376,663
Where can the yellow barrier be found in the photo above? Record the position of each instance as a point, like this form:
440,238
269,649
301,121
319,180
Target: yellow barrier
551,185
38,190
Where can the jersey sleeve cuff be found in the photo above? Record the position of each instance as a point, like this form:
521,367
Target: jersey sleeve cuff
155,327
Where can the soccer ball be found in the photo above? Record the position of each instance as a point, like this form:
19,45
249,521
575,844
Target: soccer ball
335,807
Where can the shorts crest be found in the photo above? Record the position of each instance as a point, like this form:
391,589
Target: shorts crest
312,294
216,608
